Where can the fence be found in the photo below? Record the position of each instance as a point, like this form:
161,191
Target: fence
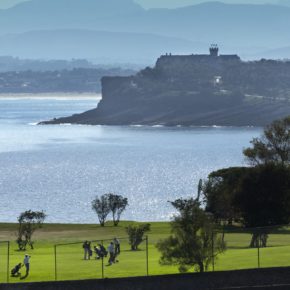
70,261
4,261
246,249
255,248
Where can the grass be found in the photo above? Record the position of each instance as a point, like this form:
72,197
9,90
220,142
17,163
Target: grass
70,263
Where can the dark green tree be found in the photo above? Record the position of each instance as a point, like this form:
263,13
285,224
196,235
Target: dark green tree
194,242
256,196
101,206
117,204
28,222
263,197
219,192
136,233
273,146
199,190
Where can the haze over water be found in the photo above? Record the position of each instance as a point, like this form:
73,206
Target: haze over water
60,169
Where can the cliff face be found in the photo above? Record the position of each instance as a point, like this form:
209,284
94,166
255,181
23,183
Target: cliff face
194,90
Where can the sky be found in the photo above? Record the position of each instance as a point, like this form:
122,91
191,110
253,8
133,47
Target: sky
156,3
180,3
159,3
8,3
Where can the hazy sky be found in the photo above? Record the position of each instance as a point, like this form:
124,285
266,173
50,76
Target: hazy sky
179,3
8,3
156,3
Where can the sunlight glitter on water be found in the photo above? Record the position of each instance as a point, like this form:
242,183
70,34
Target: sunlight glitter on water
60,169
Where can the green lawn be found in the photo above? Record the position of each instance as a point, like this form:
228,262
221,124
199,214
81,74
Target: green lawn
70,263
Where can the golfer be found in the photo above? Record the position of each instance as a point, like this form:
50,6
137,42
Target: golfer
26,263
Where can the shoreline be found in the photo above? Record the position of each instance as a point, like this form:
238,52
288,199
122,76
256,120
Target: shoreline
43,96
154,126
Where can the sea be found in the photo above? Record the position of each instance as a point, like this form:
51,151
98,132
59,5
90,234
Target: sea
60,169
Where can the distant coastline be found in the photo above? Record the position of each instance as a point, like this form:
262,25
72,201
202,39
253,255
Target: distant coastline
60,95
193,90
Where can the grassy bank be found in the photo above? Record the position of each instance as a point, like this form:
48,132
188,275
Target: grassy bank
71,265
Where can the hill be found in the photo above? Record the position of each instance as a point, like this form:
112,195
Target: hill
194,90
101,46
64,14
281,53
232,25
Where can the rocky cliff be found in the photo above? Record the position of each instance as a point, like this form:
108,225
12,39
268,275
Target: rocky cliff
194,90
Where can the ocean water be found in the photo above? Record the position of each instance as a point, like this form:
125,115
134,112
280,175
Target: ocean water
61,168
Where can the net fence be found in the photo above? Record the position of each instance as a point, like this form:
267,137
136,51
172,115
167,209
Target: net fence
255,248
95,261
246,248
4,262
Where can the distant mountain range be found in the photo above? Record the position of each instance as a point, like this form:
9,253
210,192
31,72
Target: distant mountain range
284,2
123,30
282,53
99,45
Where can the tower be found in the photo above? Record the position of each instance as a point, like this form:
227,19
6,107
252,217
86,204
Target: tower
214,50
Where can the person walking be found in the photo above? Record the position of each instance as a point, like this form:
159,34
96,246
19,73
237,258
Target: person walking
26,263
111,250
117,249
117,246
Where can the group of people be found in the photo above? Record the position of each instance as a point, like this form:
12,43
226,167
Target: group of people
15,272
113,250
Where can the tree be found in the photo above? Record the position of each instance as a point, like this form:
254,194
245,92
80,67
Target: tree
263,197
273,146
255,196
102,208
28,222
219,191
262,182
117,204
199,190
136,233
194,242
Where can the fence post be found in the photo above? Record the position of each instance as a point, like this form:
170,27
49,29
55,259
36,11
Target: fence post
8,260
259,239
103,276
212,250
147,257
55,264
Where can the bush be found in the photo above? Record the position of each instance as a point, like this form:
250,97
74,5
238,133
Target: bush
136,233
194,242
